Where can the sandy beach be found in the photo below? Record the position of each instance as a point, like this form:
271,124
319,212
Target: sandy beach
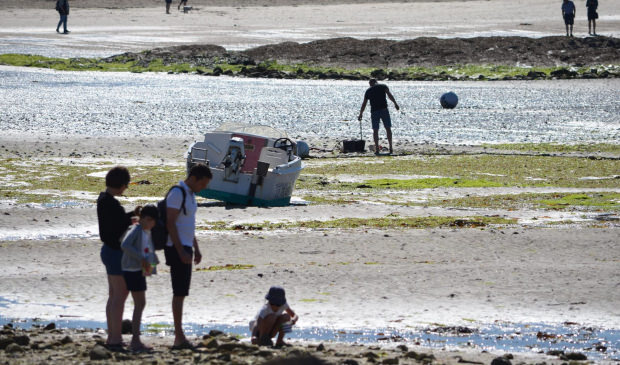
339,279
107,28
537,266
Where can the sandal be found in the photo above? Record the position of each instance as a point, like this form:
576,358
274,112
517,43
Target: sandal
141,348
185,345
116,347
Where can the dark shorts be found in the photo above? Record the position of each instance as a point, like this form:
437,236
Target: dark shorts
135,280
592,14
180,273
383,115
111,258
569,19
168,1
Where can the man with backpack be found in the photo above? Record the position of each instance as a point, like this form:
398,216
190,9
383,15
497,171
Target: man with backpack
62,7
182,245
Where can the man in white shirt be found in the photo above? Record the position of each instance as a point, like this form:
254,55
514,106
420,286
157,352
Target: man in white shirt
182,245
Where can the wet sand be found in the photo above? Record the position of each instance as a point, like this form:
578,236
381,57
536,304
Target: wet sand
115,28
343,277
335,278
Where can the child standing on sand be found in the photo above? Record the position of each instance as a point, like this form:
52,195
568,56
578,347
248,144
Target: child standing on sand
139,260
568,13
271,319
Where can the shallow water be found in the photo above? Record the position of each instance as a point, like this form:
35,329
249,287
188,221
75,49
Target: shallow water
595,343
97,104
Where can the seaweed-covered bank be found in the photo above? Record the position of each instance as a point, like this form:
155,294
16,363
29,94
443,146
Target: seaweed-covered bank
480,58
47,343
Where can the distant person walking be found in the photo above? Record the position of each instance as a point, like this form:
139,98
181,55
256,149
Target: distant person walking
183,2
182,245
168,3
62,7
568,13
592,5
376,93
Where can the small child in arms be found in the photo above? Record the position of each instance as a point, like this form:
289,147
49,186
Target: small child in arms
139,260
272,320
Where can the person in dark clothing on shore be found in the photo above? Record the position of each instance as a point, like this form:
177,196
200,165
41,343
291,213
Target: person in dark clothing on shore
592,5
376,93
62,7
113,223
568,13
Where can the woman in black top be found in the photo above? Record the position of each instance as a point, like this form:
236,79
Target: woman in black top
592,15
113,223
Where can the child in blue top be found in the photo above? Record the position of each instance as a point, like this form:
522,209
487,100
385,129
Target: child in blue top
271,319
139,260
568,13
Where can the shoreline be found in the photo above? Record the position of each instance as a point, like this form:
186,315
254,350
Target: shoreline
433,342
64,346
455,59
101,32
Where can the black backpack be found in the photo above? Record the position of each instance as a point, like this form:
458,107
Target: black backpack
159,233
58,8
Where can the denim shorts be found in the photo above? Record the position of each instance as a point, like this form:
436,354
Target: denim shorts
111,258
383,115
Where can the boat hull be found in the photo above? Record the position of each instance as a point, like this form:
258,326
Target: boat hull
238,199
274,190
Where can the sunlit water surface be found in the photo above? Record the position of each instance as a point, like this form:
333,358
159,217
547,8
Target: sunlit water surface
595,343
98,103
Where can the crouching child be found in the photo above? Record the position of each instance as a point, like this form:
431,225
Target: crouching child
139,261
274,318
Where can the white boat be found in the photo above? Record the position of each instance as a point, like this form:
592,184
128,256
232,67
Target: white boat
251,164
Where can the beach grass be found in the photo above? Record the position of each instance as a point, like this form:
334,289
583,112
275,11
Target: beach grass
48,181
389,222
485,170
556,147
599,201
226,267
44,181
425,183
123,63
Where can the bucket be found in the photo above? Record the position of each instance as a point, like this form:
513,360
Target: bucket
354,145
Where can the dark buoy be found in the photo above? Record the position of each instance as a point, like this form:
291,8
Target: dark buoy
449,100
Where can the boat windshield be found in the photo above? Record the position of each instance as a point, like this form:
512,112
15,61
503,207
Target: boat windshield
255,129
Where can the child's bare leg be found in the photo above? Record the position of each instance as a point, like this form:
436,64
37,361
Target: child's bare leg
266,327
278,328
139,302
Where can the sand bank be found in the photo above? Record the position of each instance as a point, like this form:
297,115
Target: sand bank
113,29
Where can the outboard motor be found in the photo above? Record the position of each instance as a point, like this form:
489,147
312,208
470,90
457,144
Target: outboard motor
234,159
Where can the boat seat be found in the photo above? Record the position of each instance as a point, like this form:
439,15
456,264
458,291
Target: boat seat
273,156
